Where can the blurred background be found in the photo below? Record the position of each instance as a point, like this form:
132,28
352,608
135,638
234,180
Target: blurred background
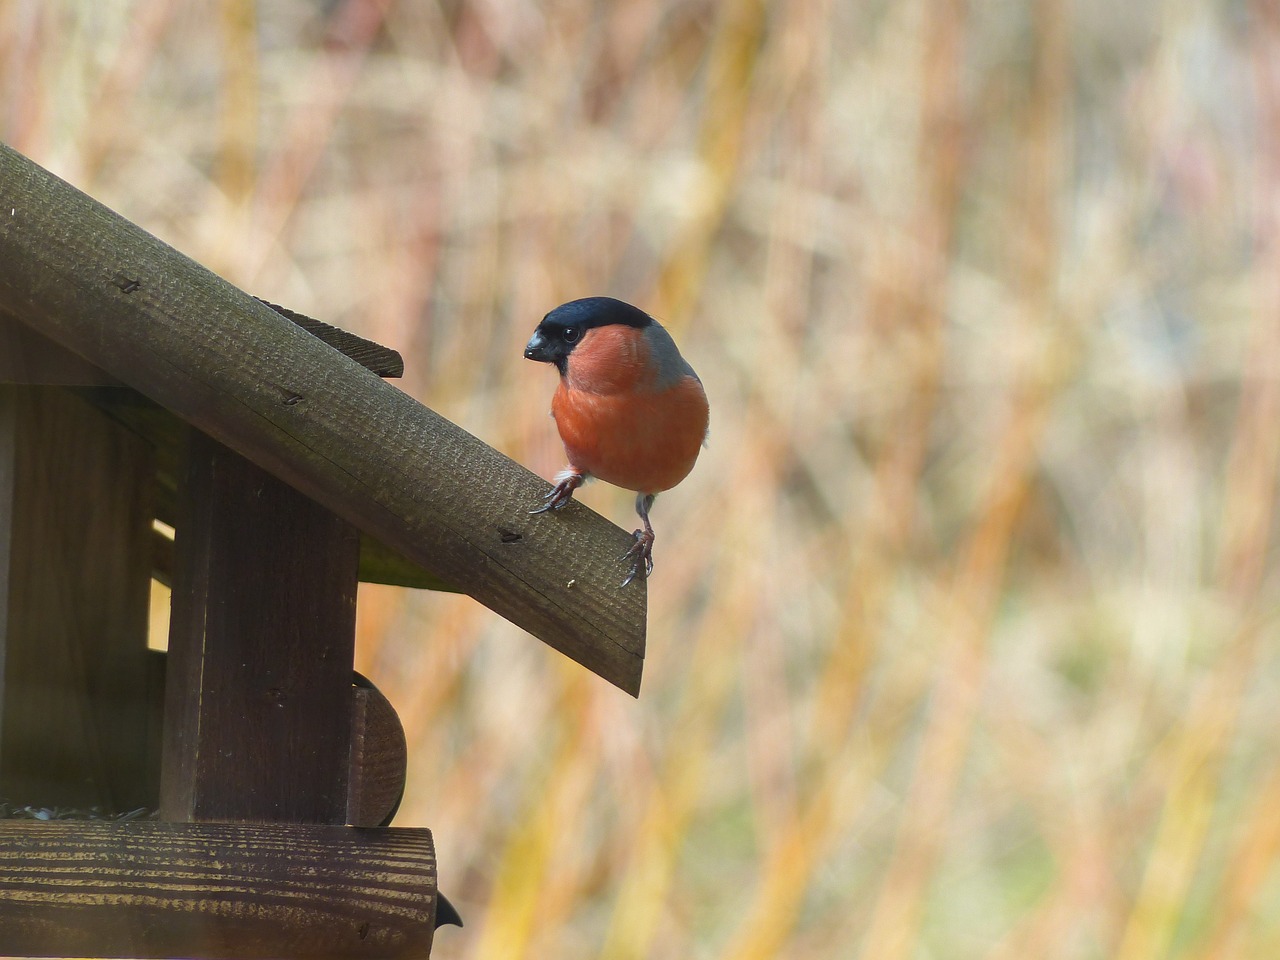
962,633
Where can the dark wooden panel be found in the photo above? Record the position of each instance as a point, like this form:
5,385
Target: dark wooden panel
261,644
75,518
28,358
243,891
242,373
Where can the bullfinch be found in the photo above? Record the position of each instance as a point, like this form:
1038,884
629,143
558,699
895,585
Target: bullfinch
629,408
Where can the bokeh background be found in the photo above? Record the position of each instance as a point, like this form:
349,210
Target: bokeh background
963,632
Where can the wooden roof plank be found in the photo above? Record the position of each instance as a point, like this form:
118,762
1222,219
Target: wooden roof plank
383,361
156,320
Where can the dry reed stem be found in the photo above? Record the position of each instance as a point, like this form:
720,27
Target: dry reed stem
730,67
1248,506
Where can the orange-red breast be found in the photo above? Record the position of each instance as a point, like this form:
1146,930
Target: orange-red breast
629,408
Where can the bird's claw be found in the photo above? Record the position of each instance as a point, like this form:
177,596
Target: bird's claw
560,494
641,556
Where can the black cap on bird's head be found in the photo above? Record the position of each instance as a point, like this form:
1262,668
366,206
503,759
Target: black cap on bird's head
564,326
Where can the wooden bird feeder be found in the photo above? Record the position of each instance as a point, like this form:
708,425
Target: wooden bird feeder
137,386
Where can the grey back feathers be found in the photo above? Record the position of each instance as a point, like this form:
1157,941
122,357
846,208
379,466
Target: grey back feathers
671,367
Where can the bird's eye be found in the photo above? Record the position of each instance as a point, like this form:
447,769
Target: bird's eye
571,334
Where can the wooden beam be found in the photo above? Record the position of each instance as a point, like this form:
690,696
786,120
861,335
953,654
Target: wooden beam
75,518
261,642
117,296
215,890
28,358
167,435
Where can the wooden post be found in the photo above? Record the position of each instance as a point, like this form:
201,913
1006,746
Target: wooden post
75,520
259,709
261,648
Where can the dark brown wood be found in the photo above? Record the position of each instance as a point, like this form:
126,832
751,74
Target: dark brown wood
157,668
75,514
167,435
381,564
383,361
261,643
109,291
28,358
242,891
379,752
379,759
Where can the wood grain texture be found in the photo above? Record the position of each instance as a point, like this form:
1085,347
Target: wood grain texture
152,318
167,435
261,642
383,361
75,516
243,891
28,358
379,758
379,751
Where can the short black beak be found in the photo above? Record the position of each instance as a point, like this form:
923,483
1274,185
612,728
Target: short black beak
538,349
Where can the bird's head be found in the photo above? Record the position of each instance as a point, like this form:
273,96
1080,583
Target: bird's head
564,327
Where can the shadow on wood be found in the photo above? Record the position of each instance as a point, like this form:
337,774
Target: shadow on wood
75,518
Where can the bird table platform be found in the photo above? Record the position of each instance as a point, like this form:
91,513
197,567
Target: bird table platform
137,386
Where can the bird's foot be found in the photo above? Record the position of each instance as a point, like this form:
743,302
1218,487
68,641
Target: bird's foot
640,555
561,493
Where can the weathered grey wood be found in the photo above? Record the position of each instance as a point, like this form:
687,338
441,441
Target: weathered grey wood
167,436
149,316
28,358
242,891
75,515
261,642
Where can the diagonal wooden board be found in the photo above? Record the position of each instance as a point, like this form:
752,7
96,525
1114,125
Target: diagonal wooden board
26,357
151,317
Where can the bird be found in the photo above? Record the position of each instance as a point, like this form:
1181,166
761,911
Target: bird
629,409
